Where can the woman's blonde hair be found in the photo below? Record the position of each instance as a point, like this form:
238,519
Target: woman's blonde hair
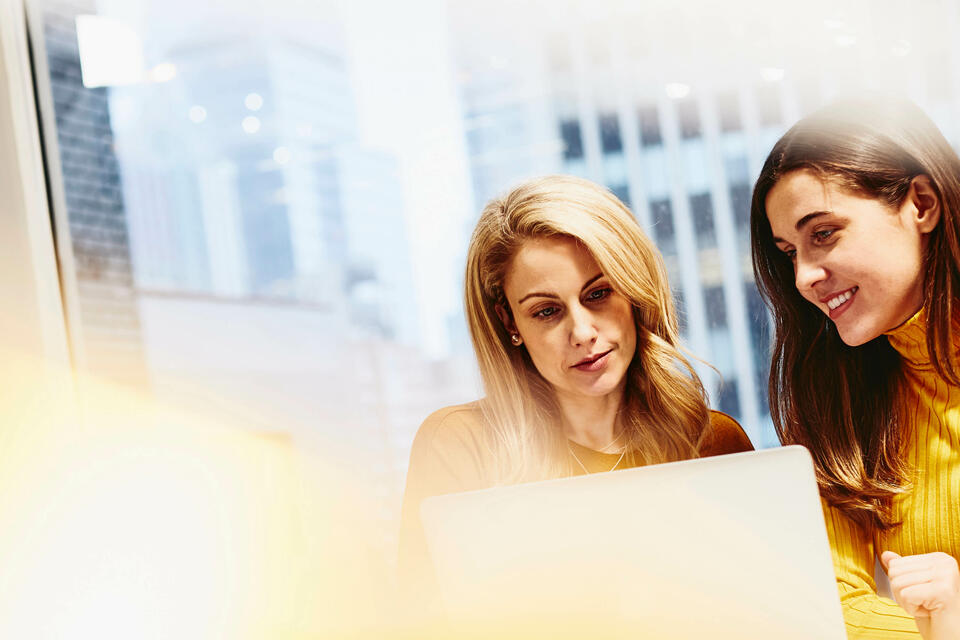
664,411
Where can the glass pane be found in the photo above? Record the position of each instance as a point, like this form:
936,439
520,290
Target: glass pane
269,204
610,133
649,126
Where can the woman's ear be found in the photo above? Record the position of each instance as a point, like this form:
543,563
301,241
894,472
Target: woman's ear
503,312
925,203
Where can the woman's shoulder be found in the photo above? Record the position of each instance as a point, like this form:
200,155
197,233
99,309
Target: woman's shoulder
449,452
457,431
453,422
724,435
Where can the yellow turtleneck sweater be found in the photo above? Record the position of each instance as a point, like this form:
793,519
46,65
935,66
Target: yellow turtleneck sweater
930,512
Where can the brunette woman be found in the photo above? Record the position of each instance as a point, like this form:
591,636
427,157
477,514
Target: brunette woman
855,234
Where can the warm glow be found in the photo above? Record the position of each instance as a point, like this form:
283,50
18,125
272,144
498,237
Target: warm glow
121,518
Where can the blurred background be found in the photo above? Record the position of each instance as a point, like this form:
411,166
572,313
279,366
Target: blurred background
261,209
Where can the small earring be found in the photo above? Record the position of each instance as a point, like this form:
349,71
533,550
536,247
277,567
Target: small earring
515,339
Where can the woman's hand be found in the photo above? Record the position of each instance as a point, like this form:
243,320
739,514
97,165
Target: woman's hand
927,586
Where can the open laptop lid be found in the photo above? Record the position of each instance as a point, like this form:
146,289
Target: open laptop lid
730,546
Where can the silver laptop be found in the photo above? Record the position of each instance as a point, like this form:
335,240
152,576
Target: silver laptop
727,547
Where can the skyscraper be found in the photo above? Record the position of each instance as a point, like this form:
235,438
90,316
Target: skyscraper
107,341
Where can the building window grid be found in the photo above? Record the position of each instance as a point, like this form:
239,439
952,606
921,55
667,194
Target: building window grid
703,213
769,111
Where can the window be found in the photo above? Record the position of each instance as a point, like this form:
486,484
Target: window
622,192
737,168
661,215
610,133
728,107
688,115
109,314
245,249
740,197
572,142
760,335
702,208
649,121
267,218
729,400
716,307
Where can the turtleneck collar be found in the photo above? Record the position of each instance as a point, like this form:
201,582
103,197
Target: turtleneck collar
910,339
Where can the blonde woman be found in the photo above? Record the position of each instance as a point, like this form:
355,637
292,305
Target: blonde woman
576,338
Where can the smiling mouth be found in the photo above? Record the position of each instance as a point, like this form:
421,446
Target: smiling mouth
838,300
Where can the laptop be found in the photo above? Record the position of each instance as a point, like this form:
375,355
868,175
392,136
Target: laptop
731,546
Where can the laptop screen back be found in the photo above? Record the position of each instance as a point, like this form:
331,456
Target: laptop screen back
732,546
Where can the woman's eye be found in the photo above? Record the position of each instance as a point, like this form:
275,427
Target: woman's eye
790,253
599,294
822,235
546,312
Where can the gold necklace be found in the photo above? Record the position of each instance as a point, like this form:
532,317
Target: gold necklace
584,467
611,443
604,448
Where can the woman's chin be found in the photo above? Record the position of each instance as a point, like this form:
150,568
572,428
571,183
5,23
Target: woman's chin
598,388
854,336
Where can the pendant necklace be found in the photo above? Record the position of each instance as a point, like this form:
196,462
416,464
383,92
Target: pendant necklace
584,467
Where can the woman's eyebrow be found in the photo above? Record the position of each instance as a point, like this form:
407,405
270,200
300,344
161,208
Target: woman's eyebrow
539,294
536,294
590,282
803,221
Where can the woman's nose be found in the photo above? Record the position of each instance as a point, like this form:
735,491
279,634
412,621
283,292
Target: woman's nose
584,329
808,273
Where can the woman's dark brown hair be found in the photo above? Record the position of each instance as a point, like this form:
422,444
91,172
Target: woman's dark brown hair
841,402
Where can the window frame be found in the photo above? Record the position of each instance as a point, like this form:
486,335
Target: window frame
34,324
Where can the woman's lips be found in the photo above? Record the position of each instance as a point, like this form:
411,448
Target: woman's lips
596,364
850,294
